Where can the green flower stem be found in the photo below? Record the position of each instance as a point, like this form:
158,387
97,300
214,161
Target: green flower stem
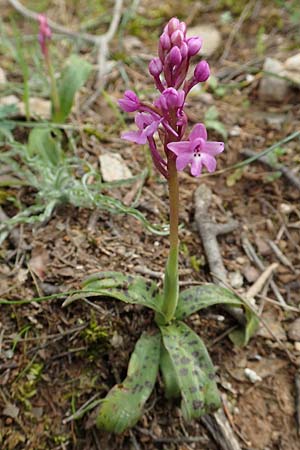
53,86
171,288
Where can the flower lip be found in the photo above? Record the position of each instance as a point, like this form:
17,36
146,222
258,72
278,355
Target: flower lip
197,151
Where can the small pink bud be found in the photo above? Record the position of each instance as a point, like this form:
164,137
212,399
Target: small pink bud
177,38
155,67
165,42
130,102
182,27
173,25
184,50
174,56
201,72
194,45
44,33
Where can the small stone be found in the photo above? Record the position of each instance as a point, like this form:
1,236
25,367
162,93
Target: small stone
235,131
294,330
116,340
250,273
275,121
236,279
297,346
284,208
272,88
3,79
113,167
38,107
262,246
252,375
9,100
292,68
210,35
11,411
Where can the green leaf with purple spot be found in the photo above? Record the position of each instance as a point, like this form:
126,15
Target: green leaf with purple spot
170,380
123,405
194,370
126,288
193,299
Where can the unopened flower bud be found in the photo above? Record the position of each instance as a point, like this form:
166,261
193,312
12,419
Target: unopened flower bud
130,102
165,42
173,25
177,38
194,45
182,27
174,56
184,50
44,33
201,72
155,67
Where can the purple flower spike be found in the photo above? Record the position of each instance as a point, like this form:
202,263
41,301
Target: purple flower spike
194,45
166,115
44,33
130,102
197,151
201,72
147,125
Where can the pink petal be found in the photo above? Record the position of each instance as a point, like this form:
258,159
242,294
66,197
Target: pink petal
213,148
196,166
179,147
134,136
183,160
198,131
209,162
150,129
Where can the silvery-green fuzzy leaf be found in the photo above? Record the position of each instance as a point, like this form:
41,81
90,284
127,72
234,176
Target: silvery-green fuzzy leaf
72,79
127,288
194,370
193,299
123,406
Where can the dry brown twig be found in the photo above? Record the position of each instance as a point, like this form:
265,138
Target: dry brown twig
251,253
287,173
217,423
101,41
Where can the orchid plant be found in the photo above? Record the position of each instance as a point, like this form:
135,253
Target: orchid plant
73,77
170,345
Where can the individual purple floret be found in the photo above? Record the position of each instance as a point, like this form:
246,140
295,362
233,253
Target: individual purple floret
130,102
197,151
44,33
166,115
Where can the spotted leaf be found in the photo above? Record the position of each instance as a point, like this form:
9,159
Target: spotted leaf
123,405
194,370
126,288
193,299
171,385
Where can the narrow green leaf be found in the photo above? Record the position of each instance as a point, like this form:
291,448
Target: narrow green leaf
194,370
126,288
199,297
72,79
123,406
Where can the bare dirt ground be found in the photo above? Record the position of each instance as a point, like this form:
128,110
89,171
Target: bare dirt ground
54,359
